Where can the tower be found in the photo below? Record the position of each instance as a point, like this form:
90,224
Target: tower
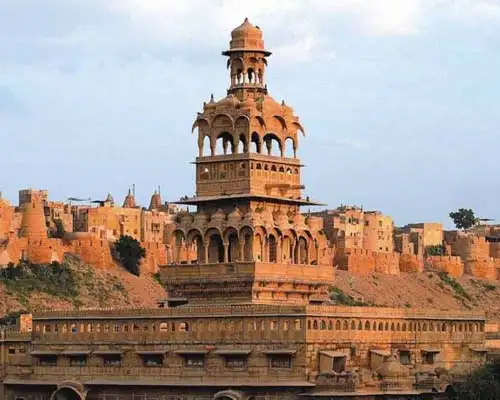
248,196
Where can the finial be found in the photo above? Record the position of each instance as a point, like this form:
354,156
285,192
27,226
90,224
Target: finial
212,98
246,20
282,102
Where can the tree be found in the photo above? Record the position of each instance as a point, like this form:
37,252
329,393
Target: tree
435,250
130,253
481,384
463,218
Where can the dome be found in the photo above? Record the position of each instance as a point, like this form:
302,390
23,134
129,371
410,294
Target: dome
234,216
246,36
219,215
155,203
392,368
211,104
109,198
185,217
129,201
230,102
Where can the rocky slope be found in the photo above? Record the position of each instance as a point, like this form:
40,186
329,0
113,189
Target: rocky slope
423,290
76,285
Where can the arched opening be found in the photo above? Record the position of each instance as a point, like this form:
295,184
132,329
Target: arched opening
233,247
256,144
67,393
205,148
246,235
195,240
251,75
287,250
302,255
225,144
272,243
215,248
242,144
257,247
273,145
290,149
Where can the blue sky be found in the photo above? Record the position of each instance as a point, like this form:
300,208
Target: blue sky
400,98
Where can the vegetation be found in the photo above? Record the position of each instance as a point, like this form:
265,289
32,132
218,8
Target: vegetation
436,250
130,253
55,279
463,218
10,319
482,384
339,297
457,287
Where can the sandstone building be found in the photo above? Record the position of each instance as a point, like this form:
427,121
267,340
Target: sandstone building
247,314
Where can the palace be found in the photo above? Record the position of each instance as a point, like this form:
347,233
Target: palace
247,315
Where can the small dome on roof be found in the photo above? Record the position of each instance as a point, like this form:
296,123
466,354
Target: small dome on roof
235,215
109,198
219,215
230,101
211,104
392,368
129,201
155,203
246,36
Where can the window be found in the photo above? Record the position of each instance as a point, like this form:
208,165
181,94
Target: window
236,362
153,360
404,357
281,361
339,364
163,327
48,361
183,327
428,358
74,329
12,351
47,329
112,360
22,351
195,361
78,361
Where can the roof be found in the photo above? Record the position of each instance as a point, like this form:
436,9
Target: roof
384,353
332,354
75,352
44,353
200,382
280,352
233,352
191,351
205,199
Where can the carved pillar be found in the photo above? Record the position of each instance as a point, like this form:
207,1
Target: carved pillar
226,252
292,256
205,249
298,260
241,256
279,252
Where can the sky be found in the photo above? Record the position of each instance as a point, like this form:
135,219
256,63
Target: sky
400,99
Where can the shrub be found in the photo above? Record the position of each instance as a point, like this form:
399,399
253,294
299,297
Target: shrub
483,383
450,281
130,253
339,297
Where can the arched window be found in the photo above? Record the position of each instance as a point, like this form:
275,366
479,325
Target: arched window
374,326
323,325
337,325
273,168
403,328
360,326
353,326
273,252
345,326
398,327
297,324
392,327
330,325
367,326
285,325
315,325
258,166
380,326
183,327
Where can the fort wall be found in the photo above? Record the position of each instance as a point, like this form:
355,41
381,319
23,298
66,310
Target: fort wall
452,265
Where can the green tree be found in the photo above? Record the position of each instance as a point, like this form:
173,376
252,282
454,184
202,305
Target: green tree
463,218
435,250
130,253
481,384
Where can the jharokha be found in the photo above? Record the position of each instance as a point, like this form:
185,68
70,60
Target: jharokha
247,314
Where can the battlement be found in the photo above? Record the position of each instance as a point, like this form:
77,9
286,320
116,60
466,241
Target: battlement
452,265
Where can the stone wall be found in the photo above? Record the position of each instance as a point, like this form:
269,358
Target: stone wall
452,265
411,263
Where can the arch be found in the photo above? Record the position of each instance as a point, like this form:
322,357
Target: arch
380,326
255,143
272,149
398,327
403,327
272,243
337,326
228,395
246,234
374,326
367,326
315,325
225,143
282,122
232,240
345,326
213,238
67,392
330,325
194,238
251,75
299,127
273,168
353,326
287,248
323,325
386,326
258,244
290,147
261,123
301,251
393,327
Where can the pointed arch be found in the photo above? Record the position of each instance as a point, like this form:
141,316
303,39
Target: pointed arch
282,121
256,143
299,127
275,150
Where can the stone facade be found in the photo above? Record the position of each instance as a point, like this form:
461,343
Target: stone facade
247,314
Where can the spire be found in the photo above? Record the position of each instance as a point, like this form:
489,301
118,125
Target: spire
155,203
129,201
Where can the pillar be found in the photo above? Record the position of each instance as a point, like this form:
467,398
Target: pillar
205,249
226,251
